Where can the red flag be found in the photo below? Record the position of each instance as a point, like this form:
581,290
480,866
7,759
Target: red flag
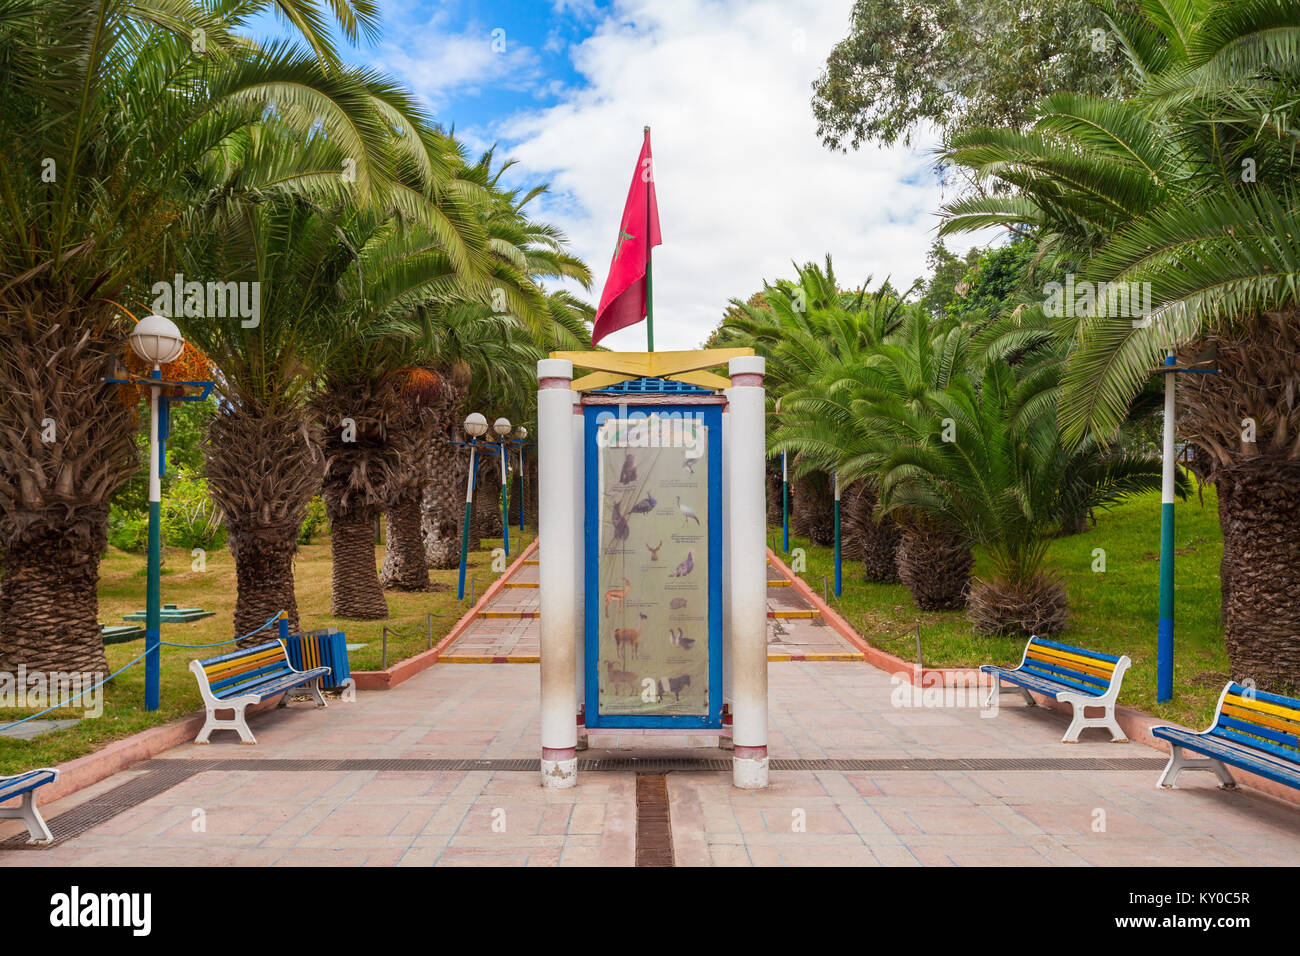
623,302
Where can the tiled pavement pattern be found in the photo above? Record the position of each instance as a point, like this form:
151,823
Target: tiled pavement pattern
502,637
818,710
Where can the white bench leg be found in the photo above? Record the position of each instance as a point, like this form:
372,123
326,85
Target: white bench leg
313,687
997,689
1081,721
238,723
994,691
1178,762
27,812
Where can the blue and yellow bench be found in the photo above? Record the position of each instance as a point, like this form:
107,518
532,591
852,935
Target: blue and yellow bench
1253,730
26,785
248,676
1072,675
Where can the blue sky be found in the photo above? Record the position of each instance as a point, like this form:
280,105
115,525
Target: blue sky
744,186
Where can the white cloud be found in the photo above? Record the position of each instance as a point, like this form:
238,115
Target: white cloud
744,184
440,62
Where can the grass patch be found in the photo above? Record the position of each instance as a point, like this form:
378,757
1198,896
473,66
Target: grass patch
122,590
1114,611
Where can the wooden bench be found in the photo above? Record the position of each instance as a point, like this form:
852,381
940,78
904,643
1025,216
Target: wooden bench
26,785
1071,675
248,676
1252,730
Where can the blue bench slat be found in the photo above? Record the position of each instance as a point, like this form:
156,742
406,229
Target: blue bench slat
1258,730
286,681
242,652
1061,683
1247,758
20,784
1249,692
1024,679
1227,733
250,677
1076,650
1094,684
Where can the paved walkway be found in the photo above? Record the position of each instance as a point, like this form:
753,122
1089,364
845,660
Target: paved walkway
931,803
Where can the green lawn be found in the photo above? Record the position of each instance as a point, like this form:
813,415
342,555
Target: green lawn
121,590
1114,611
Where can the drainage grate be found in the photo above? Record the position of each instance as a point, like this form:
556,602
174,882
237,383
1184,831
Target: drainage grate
654,834
110,803
161,775
669,764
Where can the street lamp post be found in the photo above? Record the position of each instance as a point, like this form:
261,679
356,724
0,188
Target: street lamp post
521,433
158,341
502,427
475,427
839,566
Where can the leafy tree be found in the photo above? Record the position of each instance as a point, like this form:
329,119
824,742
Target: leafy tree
957,64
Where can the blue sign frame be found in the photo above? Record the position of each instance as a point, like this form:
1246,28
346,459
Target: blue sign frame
593,417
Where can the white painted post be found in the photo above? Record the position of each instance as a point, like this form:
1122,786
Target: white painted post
557,567
747,507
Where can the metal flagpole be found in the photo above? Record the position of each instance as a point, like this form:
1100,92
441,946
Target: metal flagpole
649,283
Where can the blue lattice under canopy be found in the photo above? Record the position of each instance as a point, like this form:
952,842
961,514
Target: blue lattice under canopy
652,386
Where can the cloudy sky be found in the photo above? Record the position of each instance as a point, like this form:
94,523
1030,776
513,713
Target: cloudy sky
744,185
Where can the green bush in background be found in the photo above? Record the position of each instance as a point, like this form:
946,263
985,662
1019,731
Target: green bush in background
315,522
190,519
128,530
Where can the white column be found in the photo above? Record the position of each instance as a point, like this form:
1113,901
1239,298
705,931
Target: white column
556,566
747,508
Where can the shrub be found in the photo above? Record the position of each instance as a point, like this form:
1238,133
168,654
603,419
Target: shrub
128,530
190,519
314,522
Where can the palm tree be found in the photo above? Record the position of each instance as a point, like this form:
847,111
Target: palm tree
109,112
1002,476
801,326
851,412
1187,190
525,253
335,260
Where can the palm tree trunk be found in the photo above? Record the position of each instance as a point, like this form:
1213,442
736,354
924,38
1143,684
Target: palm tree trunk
487,500
874,542
443,504
530,486
1259,489
405,568
936,567
264,582
66,444
772,476
813,508
355,590
263,468
1223,488
49,606
1262,632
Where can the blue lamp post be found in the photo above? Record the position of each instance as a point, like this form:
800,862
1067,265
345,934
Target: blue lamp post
1169,485
521,434
158,341
502,427
475,426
